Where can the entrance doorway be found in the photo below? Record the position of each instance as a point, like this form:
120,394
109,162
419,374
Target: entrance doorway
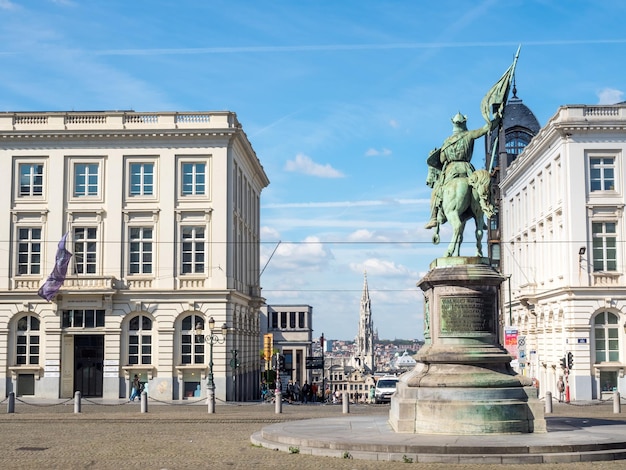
88,364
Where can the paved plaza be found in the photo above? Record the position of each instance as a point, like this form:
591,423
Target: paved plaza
107,435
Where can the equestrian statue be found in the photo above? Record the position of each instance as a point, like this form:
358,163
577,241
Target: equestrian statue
459,191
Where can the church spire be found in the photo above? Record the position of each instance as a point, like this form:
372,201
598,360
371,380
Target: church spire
365,339
365,297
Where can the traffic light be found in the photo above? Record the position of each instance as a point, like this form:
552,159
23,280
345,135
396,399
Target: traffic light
234,362
570,360
268,346
563,364
281,362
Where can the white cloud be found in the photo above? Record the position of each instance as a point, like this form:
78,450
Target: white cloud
7,5
393,123
304,164
310,254
381,267
372,152
361,235
364,235
610,96
269,233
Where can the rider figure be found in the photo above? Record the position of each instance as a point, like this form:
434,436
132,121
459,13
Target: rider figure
453,159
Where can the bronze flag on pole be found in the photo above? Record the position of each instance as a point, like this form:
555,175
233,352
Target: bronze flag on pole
496,98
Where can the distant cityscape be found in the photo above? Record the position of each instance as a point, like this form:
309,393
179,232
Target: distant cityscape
386,352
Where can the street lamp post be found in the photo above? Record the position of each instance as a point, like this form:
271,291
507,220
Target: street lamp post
211,339
323,370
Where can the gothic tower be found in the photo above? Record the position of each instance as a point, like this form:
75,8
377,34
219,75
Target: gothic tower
364,351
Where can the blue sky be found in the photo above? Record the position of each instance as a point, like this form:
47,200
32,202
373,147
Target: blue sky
342,101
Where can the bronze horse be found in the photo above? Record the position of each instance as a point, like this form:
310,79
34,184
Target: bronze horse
463,198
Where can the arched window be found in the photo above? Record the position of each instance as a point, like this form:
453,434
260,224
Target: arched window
516,141
192,344
606,333
140,340
27,341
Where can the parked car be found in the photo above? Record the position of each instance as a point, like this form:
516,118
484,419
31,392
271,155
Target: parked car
385,387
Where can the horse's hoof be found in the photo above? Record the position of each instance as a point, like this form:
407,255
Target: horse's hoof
435,239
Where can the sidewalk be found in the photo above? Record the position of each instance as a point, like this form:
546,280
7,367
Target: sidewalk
43,435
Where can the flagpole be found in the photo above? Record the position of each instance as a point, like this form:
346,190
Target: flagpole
502,106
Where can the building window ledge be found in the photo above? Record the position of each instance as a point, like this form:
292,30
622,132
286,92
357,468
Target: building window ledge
26,369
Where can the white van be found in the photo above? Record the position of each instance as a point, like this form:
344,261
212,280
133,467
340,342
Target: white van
385,387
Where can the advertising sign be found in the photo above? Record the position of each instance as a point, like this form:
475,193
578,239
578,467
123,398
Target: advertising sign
510,341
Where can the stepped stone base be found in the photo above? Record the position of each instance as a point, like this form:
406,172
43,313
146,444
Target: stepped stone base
475,407
462,382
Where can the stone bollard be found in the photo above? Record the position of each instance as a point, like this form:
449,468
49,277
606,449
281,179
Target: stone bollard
77,403
278,403
11,403
548,402
345,401
617,404
144,402
211,400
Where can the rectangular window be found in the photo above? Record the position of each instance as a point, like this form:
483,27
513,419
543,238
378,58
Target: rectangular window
274,320
292,320
133,350
283,320
146,349
85,255
86,179
604,246
193,249
141,179
31,179
186,349
192,349
193,179
82,319
602,174
28,251
301,322
139,349
140,250
613,345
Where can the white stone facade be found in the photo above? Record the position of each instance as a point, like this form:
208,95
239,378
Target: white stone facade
563,232
291,327
162,215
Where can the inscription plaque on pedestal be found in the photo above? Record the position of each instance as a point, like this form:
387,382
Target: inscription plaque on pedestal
468,314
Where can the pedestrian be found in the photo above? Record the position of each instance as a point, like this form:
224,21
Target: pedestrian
296,391
290,391
306,391
560,386
314,392
136,388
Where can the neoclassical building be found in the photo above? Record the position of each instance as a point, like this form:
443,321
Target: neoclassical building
161,212
291,327
563,233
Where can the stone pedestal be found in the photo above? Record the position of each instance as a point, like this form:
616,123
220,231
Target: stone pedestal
463,382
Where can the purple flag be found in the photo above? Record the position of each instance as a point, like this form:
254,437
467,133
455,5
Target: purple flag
55,280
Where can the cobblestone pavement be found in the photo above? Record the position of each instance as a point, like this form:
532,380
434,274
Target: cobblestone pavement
174,436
